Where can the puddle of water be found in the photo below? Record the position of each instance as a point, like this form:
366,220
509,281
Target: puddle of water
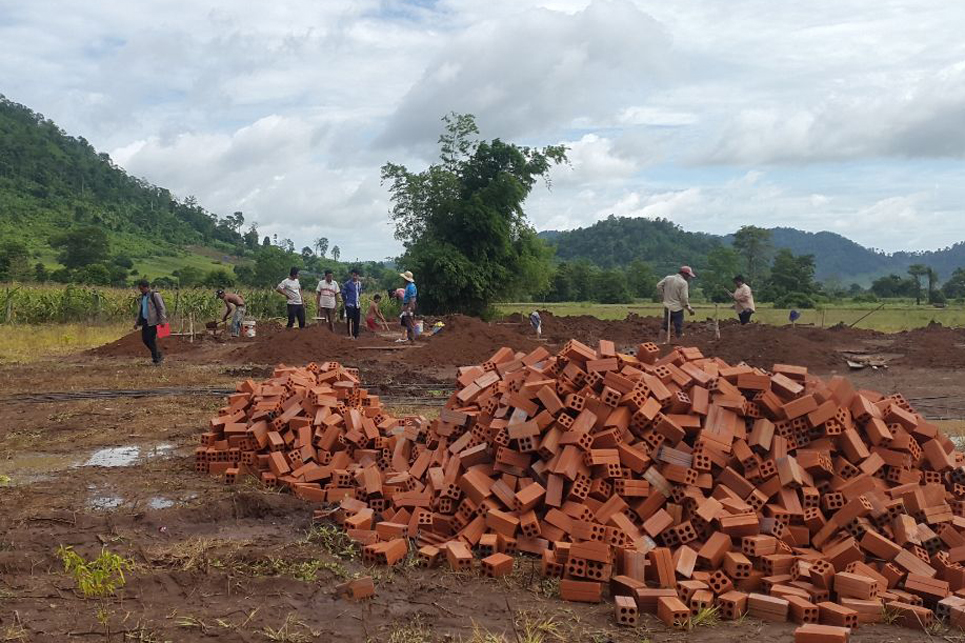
105,502
113,457
158,502
32,467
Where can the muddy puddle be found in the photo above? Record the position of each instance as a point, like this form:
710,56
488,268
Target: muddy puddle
24,468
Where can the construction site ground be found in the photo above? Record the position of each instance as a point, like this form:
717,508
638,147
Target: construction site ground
96,450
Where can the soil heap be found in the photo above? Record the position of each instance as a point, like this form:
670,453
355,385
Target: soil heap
680,482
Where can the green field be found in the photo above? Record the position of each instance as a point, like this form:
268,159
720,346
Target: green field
895,316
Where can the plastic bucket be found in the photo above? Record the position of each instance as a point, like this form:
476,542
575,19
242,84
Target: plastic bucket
248,328
417,328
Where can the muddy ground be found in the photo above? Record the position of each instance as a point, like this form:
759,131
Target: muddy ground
242,563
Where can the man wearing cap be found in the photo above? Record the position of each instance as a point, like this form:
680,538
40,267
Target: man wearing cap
235,306
409,297
675,290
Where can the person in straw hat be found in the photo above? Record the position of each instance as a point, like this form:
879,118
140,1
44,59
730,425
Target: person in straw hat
409,296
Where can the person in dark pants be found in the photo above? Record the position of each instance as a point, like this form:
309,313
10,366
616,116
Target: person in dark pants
352,298
676,298
150,313
743,300
292,290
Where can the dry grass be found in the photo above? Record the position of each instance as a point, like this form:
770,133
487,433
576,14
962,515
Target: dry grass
21,343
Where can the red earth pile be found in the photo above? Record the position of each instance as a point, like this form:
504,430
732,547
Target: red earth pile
678,483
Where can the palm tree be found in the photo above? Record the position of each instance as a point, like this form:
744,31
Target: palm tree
321,246
336,253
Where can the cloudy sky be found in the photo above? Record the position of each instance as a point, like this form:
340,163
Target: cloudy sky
841,115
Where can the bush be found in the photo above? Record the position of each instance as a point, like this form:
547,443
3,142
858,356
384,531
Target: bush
937,297
794,300
865,298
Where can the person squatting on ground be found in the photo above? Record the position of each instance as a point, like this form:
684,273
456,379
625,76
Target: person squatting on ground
676,298
409,297
150,313
374,314
743,300
327,296
292,290
235,307
352,296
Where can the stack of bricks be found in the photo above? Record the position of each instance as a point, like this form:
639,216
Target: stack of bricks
678,481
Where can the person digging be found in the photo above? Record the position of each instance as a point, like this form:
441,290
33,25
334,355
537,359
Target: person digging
235,308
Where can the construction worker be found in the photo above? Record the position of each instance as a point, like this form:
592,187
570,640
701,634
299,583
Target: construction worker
292,290
234,305
352,298
409,297
743,300
327,296
150,314
675,291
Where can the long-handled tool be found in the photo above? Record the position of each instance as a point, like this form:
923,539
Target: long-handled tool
668,314
866,315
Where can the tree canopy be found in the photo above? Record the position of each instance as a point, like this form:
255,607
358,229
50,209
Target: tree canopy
462,223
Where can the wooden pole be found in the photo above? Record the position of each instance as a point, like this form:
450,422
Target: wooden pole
667,312
824,314
716,321
191,325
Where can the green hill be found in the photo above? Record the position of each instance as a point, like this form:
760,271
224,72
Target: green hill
617,241
52,183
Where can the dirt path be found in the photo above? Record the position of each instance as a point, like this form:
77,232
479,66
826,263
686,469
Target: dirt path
242,563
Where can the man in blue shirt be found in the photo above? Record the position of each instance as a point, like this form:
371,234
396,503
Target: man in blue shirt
352,298
408,305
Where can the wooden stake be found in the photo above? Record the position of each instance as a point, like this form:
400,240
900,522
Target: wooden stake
667,310
191,326
716,321
824,314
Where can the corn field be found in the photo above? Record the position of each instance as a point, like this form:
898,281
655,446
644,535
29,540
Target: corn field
21,304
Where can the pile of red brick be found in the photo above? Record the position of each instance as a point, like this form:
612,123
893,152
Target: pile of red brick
681,482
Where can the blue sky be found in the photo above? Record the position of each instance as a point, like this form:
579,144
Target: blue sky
844,116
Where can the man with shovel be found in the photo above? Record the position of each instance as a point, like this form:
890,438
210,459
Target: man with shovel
235,307
675,290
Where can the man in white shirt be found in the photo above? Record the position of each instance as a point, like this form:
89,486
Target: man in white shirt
292,290
326,296
743,300
675,291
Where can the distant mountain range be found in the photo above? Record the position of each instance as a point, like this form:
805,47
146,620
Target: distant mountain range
616,241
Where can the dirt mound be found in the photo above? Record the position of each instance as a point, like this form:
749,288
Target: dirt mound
130,345
467,340
934,346
757,344
277,344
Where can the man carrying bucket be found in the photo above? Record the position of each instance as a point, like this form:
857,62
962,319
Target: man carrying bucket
151,314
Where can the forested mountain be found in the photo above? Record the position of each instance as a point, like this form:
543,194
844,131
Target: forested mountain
617,241
50,182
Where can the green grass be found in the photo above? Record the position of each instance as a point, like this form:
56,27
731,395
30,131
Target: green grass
21,343
895,316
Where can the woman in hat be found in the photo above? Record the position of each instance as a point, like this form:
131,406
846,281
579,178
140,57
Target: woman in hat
409,296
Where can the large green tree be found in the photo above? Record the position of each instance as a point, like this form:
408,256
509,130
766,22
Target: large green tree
754,245
466,236
917,271
81,246
791,275
954,288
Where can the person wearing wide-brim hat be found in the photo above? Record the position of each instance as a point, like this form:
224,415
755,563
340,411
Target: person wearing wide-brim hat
409,297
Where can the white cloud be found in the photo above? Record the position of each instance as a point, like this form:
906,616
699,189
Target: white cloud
841,115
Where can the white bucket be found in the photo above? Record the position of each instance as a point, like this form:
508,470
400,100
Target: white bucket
248,328
417,328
